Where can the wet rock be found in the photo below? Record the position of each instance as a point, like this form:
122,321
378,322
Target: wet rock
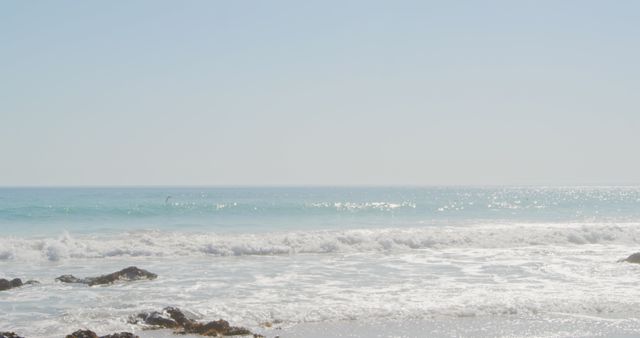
91,334
173,318
6,284
634,258
158,319
121,335
129,274
82,334
9,334
178,316
238,331
217,326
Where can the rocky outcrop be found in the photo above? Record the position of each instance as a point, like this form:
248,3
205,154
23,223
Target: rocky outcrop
129,274
634,258
91,334
6,284
121,335
82,334
9,335
173,318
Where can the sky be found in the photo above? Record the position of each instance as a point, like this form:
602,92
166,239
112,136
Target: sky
319,92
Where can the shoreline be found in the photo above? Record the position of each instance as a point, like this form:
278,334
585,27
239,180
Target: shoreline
558,325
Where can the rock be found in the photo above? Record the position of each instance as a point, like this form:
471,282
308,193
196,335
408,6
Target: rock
129,274
178,316
157,319
218,326
173,318
9,334
91,334
121,335
238,331
83,334
6,284
634,258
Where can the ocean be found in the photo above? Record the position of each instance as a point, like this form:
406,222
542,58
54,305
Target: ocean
327,262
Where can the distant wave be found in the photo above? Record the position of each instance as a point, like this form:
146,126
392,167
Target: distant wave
169,244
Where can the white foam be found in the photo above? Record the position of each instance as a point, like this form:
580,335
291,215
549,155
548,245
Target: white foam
489,271
179,244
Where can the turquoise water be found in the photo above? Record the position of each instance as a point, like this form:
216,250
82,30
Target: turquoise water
47,211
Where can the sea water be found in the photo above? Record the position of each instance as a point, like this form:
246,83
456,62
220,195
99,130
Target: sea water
410,262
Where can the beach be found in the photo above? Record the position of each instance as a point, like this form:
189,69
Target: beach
319,169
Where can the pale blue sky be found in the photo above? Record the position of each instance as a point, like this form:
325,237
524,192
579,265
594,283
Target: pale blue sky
319,93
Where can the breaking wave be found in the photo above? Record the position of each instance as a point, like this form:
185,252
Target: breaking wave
154,243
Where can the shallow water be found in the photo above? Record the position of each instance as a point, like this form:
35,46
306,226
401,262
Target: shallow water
316,258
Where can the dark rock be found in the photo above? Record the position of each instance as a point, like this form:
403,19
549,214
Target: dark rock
237,331
173,318
155,318
91,334
218,326
9,334
634,258
129,274
83,334
6,284
178,316
121,335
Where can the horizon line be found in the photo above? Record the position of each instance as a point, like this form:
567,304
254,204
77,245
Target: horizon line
114,186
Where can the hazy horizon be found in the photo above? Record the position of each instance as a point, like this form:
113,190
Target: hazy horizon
316,186
364,93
